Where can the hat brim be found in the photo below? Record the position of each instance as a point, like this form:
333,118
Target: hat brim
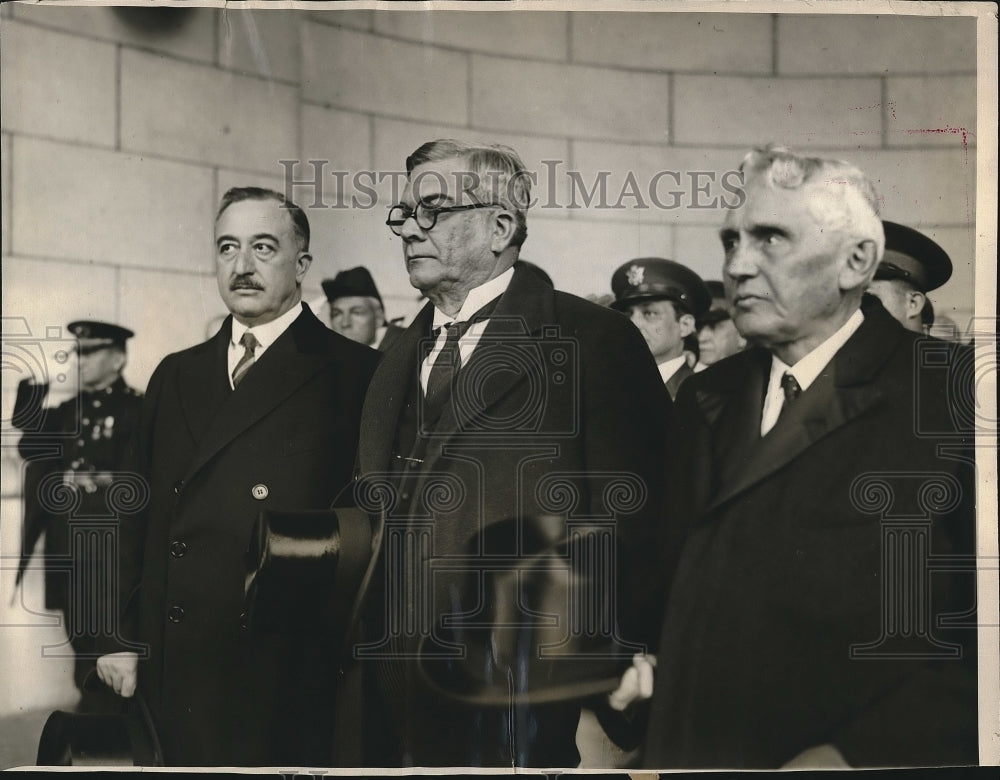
607,678
631,300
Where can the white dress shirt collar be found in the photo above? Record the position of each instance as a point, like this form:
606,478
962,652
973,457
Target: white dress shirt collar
477,298
670,367
265,334
805,370
380,332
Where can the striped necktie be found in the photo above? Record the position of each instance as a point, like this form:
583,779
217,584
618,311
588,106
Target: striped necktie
249,343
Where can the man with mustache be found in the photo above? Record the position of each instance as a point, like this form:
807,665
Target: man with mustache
818,476
263,416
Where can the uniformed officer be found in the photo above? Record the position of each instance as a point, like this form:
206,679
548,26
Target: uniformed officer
356,309
91,434
663,299
913,266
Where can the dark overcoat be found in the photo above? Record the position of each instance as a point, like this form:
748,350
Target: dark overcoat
807,603
214,457
559,411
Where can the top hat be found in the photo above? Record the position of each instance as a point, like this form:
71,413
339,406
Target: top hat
126,738
654,278
354,282
92,334
533,624
303,569
913,257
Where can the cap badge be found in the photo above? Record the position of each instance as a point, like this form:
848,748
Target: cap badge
635,274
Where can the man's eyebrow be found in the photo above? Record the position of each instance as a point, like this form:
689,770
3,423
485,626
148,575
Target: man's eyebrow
768,229
253,238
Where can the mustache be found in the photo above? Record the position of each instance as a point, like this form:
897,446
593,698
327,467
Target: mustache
245,283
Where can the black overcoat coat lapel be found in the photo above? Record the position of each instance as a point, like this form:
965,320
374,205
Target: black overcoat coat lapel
296,356
843,392
524,309
396,372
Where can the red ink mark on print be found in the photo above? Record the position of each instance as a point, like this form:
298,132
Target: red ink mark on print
946,130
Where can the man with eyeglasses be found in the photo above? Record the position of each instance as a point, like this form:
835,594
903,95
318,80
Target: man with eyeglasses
501,397
91,433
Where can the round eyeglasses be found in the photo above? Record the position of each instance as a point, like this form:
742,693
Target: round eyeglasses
426,216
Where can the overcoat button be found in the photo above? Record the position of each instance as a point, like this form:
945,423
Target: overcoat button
175,614
177,549
243,620
178,486
259,492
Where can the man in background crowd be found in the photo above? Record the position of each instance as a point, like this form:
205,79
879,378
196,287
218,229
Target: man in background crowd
662,298
718,337
356,309
788,635
262,417
913,265
90,434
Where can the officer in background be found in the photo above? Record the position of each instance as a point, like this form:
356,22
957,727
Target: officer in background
663,299
718,291
356,310
92,432
717,337
913,266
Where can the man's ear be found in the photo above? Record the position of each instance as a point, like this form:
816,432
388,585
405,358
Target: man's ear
914,303
504,227
859,266
120,359
687,324
302,263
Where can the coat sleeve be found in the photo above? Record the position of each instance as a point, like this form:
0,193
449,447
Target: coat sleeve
132,525
625,412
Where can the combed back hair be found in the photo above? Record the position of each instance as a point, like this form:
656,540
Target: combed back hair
858,216
300,223
496,171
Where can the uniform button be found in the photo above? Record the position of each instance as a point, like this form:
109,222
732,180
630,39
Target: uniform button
86,421
259,492
178,486
97,404
177,549
243,620
80,442
175,614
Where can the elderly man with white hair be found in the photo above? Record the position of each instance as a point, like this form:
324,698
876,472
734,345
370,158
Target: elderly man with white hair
812,495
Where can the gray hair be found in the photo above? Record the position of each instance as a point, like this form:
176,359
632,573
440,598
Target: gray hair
496,171
858,217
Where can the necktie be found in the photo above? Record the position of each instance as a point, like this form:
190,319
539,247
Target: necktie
443,371
791,388
249,343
